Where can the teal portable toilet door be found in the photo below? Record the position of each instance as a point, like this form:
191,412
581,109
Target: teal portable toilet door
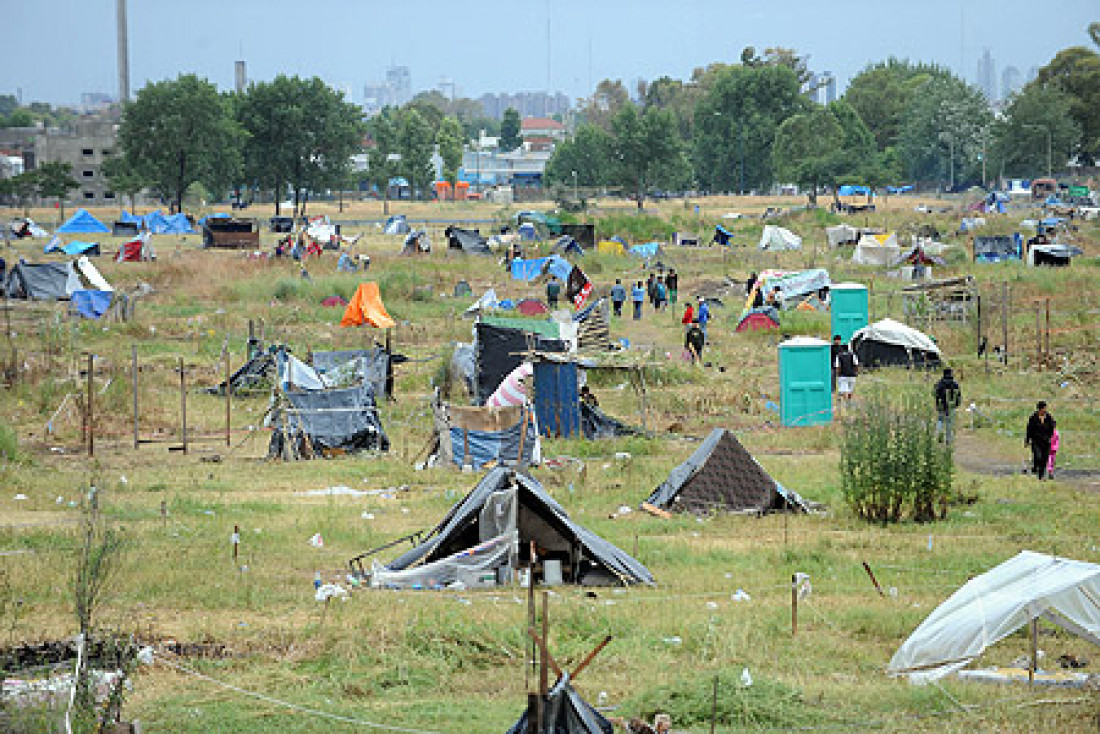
805,382
849,308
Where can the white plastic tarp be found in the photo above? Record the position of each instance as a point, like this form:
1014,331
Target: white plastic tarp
889,331
487,302
877,249
992,606
841,234
466,566
778,238
92,275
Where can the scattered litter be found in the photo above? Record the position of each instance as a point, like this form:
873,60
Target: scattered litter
624,510
328,591
20,496
338,491
802,584
123,479
317,541
623,455
60,500
367,516
712,605
1061,678
145,655
740,595
207,512
746,678
673,641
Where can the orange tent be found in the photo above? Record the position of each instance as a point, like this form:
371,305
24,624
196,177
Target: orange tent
366,308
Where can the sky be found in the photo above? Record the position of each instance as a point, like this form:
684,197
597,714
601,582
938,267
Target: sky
54,50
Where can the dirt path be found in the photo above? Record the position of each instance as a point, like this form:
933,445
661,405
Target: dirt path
972,455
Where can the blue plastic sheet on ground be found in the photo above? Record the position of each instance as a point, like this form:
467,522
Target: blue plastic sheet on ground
91,304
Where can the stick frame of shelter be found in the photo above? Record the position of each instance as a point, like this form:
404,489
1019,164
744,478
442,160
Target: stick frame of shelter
228,391
134,368
794,605
874,581
88,406
183,404
1004,318
1033,641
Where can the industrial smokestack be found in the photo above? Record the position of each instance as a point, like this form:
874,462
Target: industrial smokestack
123,53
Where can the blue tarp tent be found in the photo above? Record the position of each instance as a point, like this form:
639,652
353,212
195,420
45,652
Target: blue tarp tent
850,190
156,222
566,245
91,304
128,218
556,265
527,231
76,247
213,216
899,189
649,249
83,223
721,235
178,224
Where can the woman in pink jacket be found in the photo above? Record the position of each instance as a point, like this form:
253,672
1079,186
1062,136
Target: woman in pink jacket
1053,450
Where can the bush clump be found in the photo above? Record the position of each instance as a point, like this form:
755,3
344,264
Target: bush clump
892,463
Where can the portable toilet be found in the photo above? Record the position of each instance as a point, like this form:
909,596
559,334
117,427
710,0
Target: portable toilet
557,398
805,382
848,304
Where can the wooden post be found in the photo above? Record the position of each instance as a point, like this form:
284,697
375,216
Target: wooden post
522,435
88,406
228,394
236,540
1032,664
794,605
1038,335
134,367
183,406
465,446
164,513
1004,319
873,579
1046,346
544,662
714,706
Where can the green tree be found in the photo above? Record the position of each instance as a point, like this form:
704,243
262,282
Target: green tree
588,154
123,179
20,117
21,189
735,123
945,132
449,139
383,153
807,151
645,150
55,180
415,143
882,93
8,104
1020,136
301,134
609,97
180,131
1076,71
509,130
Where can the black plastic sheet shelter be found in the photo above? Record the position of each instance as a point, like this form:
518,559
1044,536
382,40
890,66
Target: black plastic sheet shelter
258,373
500,350
468,241
565,712
721,475
584,234
376,367
323,422
888,343
597,424
589,559
41,281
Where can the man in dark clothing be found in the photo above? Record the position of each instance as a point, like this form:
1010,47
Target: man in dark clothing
618,297
553,290
750,284
948,399
1040,431
672,283
847,367
694,341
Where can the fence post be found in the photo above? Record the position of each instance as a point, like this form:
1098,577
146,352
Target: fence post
183,406
1004,318
133,360
1046,347
228,394
89,405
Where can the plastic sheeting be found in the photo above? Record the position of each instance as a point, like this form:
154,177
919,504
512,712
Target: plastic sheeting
91,304
478,448
555,265
888,342
83,223
500,350
565,712
318,421
369,365
366,307
995,604
468,241
779,238
92,274
597,424
468,567
42,281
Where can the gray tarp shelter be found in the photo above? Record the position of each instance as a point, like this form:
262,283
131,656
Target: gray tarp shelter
468,241
721,475
518,504
372,365
42,281
565,712
326,422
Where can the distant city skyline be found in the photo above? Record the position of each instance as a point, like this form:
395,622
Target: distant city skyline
505,48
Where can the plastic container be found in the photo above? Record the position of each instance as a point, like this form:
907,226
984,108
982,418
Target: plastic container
551,572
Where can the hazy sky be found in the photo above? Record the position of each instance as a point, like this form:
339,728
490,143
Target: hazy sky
54,50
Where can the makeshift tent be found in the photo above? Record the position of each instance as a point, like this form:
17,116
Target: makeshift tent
326,422
230,233
373,366
584,234
722,476
527,232
1000,248
467,241
42,281
156,222
366,307
76,247
124,229
136,250
649,249
890,343
254,375
487,302
795,285
919,256
595,424
534,268
1056,255
475,436
593,330
566,245
499,350
759,319
778,238
91,304
217,215
177,224
877,249
610,247
565,712
512,511
990,607
83,223
721,235
397,224
416,242
25,227
531,307
842,234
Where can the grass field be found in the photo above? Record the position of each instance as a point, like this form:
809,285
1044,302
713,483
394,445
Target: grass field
450,662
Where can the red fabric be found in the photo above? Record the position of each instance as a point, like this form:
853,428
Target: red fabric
689,315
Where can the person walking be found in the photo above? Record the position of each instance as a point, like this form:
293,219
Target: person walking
689,314
948,399
1054,442
694,341
650,289
637,297
672,283
847,367
702,315
660,299
553,291
618,297
1039,435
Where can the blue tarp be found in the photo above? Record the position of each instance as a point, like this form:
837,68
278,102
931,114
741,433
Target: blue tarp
1051,221
155,222
850,190
649,249
76,247
83,223
722,235
527,231
486,446
128,218
178,224
216,215
899,189
556,265
91,304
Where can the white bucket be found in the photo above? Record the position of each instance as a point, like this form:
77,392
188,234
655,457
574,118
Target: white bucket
551,572
523,576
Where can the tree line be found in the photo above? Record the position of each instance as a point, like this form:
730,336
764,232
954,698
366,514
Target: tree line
749,125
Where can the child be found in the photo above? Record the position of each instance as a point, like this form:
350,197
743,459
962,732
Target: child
1053,450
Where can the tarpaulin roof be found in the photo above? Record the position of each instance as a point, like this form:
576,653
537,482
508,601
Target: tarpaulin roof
565,712
888,342
42,281
567,245
91,304
990,607
76,247
366,307
452,533
315,421
177,224
371,365
83,223
396,224
467,240
649,249
722,475
779,238
555,265
998,248
500,349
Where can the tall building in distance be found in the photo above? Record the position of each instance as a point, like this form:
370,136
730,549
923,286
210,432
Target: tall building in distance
123,41
399,79
1011,81
822,88
987,76
528,104
240,76
395,91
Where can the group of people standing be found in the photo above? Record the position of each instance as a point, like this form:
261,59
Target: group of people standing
659,290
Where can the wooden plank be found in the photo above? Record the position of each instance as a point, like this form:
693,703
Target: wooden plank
656,511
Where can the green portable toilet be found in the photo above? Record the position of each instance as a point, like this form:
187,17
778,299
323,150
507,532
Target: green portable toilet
848,304
805,382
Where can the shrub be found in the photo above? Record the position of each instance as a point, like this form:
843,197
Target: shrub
892,465
9,444
286,289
